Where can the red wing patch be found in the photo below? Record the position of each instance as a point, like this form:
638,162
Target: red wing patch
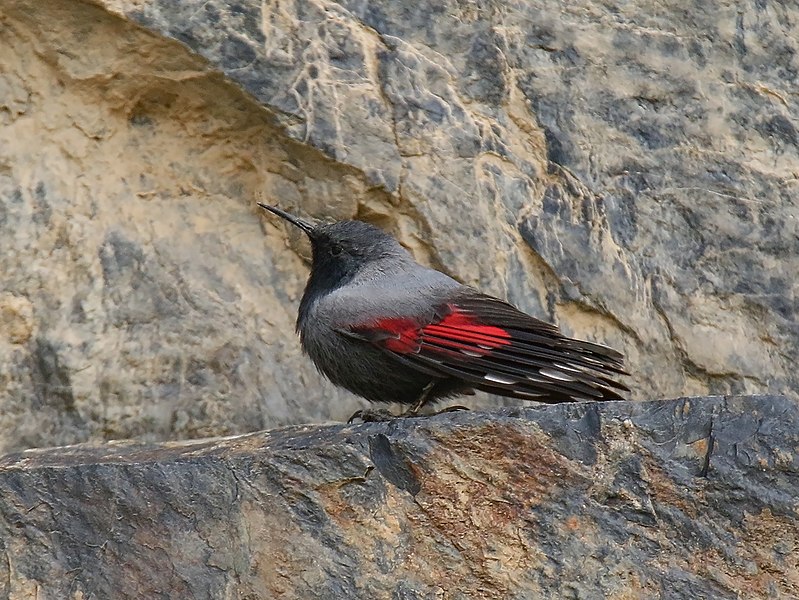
461,331
398,335
492,346
457,331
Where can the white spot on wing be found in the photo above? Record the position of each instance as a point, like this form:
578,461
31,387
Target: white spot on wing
555,374
593,361
529,395
567,367
471,353
501,379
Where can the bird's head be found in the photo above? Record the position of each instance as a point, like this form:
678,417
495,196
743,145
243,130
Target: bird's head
342,249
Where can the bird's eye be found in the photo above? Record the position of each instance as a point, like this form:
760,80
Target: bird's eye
336,249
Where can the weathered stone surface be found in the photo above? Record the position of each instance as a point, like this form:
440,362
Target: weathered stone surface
140,294
628,170
570,501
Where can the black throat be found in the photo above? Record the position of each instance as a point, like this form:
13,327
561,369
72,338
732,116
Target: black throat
326,277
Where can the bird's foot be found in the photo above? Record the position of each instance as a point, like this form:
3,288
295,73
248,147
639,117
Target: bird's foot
377,415
454,408
372,415
415,413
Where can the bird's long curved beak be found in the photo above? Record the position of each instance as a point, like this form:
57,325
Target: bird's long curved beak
304,225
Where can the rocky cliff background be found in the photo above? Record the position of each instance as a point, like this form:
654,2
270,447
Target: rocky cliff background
628,170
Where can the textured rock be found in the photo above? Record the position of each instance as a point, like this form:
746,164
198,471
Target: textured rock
140,294
628,170
569,501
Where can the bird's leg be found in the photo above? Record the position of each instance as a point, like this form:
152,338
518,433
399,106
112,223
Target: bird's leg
380,414
372,415
420,402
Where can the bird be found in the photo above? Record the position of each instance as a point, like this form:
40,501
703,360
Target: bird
379,324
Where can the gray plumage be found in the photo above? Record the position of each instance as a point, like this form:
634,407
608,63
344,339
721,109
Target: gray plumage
379,324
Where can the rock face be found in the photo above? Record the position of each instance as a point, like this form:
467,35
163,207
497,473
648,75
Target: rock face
569,501
627,170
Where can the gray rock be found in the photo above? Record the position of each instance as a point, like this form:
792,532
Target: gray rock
627,171
566,501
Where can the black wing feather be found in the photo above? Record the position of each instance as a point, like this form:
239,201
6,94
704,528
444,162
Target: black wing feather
535,360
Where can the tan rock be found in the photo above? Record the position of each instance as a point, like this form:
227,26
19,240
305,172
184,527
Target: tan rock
16,318
627,171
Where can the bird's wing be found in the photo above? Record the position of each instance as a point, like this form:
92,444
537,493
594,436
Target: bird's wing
499,349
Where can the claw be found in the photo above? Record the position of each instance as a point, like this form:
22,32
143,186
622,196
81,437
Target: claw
377,415
454,408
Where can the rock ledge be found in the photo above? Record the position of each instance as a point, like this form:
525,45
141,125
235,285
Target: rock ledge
577,501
